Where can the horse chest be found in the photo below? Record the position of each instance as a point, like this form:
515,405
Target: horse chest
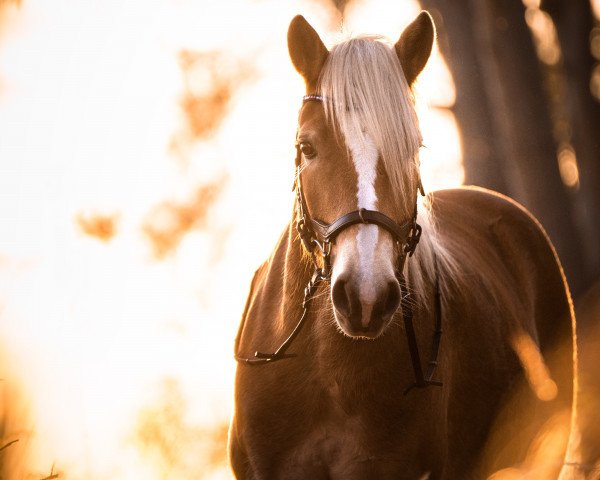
336,447
340,443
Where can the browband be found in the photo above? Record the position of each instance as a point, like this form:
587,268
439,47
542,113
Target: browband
313,97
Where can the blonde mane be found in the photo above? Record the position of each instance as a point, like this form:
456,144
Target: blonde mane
366,94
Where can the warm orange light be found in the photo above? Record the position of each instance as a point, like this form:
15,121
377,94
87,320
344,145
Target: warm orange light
536,372
544,34
545,455
101,226
567,164
596,8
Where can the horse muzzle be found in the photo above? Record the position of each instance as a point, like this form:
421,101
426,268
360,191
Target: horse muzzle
364,315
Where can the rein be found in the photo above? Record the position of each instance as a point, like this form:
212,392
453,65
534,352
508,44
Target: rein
315,234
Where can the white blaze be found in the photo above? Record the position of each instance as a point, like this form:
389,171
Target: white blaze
365,156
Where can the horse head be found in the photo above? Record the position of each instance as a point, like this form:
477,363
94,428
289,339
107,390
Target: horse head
358,141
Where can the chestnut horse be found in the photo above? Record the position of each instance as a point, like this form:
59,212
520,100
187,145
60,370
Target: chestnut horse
399,328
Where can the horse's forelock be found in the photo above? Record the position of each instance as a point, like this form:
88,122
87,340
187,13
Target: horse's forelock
366,93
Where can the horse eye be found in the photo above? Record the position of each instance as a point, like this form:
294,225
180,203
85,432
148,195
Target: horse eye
308,150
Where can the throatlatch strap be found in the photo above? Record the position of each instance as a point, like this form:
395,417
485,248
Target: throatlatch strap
422,381
411,339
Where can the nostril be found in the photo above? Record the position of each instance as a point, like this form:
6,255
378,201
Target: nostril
392,301
340,299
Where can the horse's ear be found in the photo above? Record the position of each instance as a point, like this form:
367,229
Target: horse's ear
307,51
414,46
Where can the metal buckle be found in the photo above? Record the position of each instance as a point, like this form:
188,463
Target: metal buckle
325,248
413,239
305,236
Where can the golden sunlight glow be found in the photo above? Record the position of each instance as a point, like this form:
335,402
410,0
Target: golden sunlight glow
596,8
131,221
534,366
567,165
543,457
544,33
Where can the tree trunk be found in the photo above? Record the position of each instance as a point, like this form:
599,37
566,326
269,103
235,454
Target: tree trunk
492,57
482,150
574,21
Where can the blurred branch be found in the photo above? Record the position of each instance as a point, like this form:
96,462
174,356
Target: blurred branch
102,227
52,475
211,80
8,444
169,222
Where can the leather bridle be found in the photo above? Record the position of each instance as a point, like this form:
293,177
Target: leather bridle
317,235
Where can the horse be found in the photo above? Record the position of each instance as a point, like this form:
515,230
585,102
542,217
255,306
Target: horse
388,330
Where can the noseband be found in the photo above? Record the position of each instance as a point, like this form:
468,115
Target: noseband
318,235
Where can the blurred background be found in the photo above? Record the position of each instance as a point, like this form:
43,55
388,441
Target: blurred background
146,159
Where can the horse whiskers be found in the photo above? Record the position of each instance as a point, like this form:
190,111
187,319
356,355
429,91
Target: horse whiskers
412,299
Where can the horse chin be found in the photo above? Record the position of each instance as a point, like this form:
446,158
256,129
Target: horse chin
368,333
